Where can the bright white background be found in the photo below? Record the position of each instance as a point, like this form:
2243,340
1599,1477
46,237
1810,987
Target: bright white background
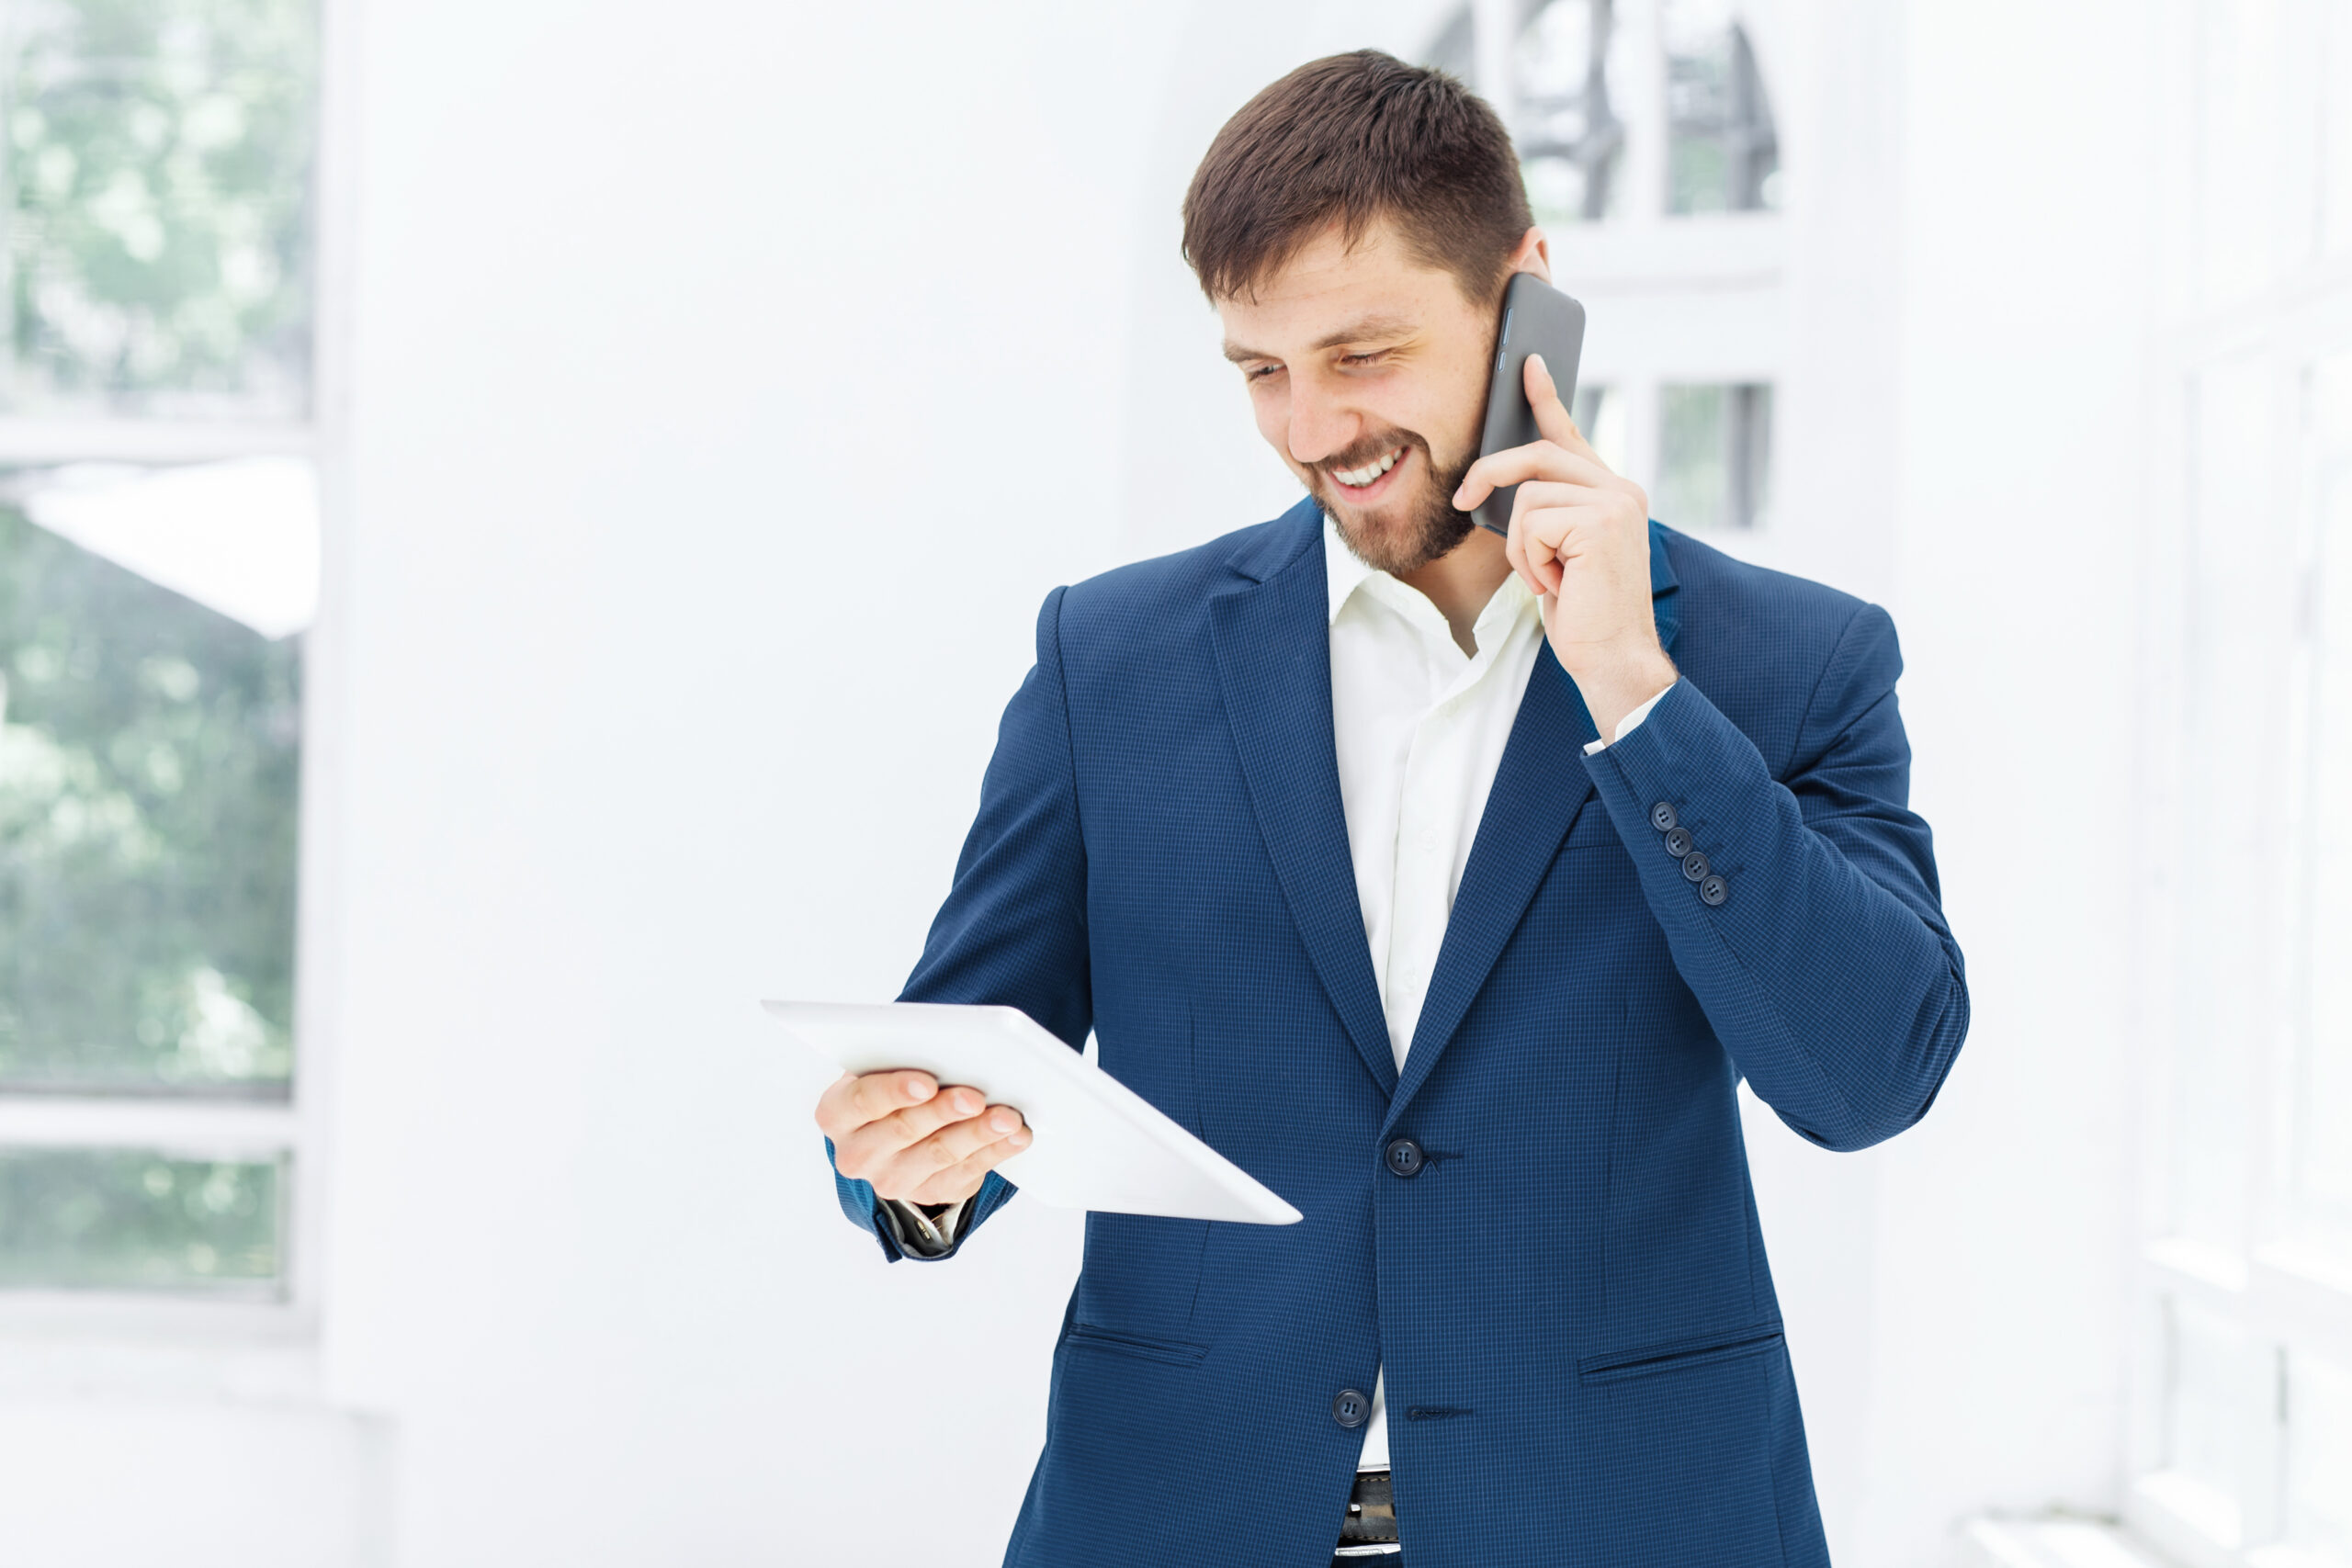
726,385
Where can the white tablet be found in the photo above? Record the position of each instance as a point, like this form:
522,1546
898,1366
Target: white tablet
1099,1143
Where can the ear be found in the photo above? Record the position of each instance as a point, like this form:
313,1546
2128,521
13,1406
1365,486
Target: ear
1532,253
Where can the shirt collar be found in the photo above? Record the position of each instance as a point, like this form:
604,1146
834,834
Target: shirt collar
1343,569
1344,572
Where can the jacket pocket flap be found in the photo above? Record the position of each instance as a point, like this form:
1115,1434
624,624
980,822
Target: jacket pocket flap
1612,1366
1175,1352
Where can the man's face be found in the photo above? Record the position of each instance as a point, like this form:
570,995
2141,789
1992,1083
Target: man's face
1367,371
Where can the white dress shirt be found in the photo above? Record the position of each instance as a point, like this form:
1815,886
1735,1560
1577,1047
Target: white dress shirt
1419,726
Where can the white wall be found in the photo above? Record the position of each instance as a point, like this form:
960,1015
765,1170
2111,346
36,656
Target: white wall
729,386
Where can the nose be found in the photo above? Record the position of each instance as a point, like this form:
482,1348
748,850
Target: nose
1319,426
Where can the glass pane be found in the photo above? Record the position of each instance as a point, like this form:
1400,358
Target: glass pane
1571,143
149,763
78,1219
160,153
2237,145
2235,662
1715,456
1723,155
2324,1135
2202,1431
2319,1456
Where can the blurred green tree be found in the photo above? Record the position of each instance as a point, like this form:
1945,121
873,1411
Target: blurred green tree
149,767
159,158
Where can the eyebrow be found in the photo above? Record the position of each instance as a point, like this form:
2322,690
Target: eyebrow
1362,328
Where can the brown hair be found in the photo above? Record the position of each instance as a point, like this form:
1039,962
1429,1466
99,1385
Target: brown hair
1357,138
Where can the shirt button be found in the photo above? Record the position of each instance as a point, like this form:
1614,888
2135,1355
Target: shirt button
1428,841
1404,1156
1694,866
1712,891
1662,816
1350,1408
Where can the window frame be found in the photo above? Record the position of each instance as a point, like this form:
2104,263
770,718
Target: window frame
249,1337
2282,1297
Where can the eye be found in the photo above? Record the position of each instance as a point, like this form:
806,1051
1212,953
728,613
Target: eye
1366,358
1259,372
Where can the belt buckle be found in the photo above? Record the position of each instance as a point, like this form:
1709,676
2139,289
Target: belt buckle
1370,1528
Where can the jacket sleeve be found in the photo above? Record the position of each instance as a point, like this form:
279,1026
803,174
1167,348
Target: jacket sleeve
1824,966
1012,931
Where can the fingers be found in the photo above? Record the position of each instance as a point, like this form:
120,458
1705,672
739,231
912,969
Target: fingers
905,1152
1550,525
852,1100
963,1178
1551,416
1544,459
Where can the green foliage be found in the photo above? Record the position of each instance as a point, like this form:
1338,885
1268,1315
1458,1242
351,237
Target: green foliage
148,766
110,1218
160,153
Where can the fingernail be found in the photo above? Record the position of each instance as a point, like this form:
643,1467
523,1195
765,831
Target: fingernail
969,1103
919,1091
1020,1140
1005,1121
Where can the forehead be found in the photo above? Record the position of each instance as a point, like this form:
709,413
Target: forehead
1330,283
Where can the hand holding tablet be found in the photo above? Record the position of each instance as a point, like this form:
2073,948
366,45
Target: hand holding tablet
1098,1145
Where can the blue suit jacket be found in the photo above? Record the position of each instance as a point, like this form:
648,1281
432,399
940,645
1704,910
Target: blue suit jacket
1570,1297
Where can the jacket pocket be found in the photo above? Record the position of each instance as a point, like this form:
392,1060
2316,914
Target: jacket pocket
1174,1352
1673,1355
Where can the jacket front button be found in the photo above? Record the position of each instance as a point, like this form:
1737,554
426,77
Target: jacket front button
1404,1156
1350,1408
1662,816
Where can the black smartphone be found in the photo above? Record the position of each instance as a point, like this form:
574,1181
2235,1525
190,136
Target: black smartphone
1537,319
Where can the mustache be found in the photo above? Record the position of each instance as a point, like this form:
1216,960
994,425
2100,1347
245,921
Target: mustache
1371,447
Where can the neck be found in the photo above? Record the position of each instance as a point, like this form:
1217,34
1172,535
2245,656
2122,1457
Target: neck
1459,581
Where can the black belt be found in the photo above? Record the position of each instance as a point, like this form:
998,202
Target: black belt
1369,1531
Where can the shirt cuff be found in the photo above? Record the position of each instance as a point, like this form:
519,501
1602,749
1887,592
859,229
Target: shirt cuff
920,1235
1625,725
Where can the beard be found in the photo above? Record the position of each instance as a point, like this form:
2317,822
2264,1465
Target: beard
1417,528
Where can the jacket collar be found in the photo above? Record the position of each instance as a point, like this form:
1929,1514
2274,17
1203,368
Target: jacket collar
1273,651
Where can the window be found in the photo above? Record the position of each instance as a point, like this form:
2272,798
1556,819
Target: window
1723,155
2242,1450
1646,140
1571,143
159,567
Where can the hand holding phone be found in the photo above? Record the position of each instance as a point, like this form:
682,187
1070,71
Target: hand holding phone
1582,538
1536,319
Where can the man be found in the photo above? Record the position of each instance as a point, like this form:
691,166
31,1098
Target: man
1449,886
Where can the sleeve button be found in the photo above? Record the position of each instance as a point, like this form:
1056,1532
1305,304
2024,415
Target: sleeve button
1694,866
1678,842
1662,816
1712,891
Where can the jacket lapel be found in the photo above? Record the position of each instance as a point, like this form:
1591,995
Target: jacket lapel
1274,654
1539,788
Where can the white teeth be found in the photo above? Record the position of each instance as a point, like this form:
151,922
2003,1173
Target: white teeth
1359,478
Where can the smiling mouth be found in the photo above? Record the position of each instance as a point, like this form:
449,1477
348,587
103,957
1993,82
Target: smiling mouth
1369,475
